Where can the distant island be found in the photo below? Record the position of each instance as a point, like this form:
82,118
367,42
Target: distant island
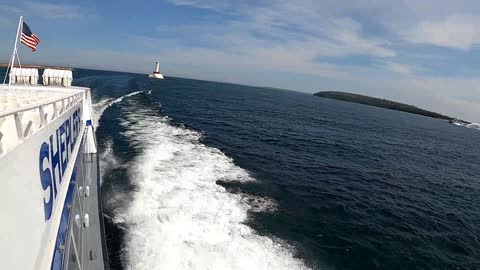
382,103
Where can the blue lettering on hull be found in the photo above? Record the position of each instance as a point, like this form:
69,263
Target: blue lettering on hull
54,157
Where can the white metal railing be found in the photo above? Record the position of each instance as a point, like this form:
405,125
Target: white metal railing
38,113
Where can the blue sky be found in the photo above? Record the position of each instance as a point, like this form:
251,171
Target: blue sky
424,53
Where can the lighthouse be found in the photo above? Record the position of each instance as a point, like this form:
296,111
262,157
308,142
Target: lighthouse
156,74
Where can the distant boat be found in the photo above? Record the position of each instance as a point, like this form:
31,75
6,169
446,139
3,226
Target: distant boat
156,74
459,122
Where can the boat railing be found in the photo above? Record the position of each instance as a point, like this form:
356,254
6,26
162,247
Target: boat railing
19,123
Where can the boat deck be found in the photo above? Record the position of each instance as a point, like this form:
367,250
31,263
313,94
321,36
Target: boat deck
20,98
25,109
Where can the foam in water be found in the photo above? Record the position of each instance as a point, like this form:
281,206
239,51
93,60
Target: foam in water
179,217
108,159
100,107
474,125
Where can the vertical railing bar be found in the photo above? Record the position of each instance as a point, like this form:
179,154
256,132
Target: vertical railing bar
55,111
42,116
1,135
27,128
18,125
1,144
63,106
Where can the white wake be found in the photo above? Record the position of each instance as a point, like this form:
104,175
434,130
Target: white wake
107,158
179,217
474,126
100,107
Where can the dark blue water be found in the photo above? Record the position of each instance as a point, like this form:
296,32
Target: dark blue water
335,185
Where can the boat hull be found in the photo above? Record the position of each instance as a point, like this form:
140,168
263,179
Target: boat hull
156,76
49,204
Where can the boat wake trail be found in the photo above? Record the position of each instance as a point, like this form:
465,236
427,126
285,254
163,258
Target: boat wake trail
179,218
106,156
100,107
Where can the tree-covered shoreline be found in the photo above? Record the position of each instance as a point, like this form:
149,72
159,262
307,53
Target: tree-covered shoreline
382,103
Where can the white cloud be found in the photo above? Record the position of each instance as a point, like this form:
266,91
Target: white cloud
398,68
306,22
280,37
455,31
204,4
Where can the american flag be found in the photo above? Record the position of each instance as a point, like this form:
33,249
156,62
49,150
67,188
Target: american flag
28,38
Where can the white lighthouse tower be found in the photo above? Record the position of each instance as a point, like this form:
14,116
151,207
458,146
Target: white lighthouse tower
156,74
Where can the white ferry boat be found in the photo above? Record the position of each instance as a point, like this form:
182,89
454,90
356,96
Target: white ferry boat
50,204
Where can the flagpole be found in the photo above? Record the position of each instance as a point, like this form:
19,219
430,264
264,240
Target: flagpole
12,62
